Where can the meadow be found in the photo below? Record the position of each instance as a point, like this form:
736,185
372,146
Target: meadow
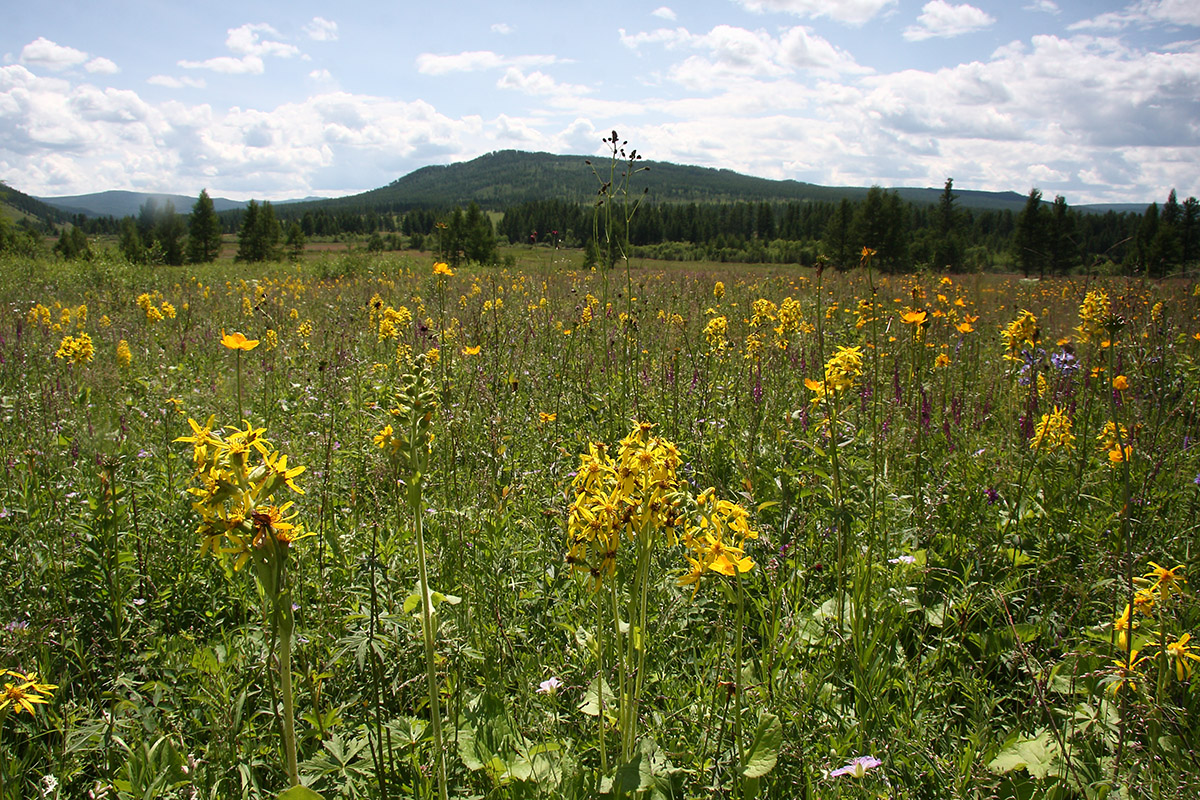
685,531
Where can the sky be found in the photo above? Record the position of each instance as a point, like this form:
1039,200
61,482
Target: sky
1094,100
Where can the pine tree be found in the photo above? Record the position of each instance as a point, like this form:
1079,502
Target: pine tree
204,231
1030,237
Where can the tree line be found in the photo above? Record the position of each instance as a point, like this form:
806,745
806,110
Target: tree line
1042,238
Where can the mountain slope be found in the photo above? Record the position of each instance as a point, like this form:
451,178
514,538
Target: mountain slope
118,203
17,205
509,177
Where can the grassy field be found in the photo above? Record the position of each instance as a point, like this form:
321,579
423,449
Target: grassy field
945,552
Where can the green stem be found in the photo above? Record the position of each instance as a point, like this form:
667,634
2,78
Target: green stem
286,626
435,713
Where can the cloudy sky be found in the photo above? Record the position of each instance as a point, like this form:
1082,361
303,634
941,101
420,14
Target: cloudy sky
1097,100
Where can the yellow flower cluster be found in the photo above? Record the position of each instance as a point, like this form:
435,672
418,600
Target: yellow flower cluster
149,303
1053,432
718,541
764,311
1118,451
635,493
1093,314
714,334
76,349
124,356
1017,334
1178,651
235,498
718,290
389,322
842,371
25,693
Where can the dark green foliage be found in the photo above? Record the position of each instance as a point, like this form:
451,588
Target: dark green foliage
258,238
1030,240
204,231
73,244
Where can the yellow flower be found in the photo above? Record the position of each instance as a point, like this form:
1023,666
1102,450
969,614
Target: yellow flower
1125,674
124,356
964,327
471,351
718,290
1122,626
943,360
1180,651
1120,383
25,693
237,341
442,268
547,416
1166,580
1053,432
917,317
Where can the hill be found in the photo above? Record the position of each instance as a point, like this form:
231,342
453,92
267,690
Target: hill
17,205
119,203
509,177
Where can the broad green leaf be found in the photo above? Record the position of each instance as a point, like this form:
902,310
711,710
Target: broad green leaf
299,793
764,748
591,699
1038,755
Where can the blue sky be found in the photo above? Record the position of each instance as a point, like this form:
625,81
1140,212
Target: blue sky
1098,101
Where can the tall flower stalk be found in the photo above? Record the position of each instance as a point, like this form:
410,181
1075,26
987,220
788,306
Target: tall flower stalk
240,520
406,445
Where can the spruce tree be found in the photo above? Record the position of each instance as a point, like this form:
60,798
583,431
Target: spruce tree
204,231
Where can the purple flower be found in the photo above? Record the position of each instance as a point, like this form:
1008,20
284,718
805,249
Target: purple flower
857,768
992,496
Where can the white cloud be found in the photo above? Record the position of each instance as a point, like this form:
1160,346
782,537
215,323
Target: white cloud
102,66
247,40
42,52
1144,13
321,30
851,12
502,28
321,75
940,19
537,83
737,51
247,65
1046,6
172,82
250,47
474,61
663,12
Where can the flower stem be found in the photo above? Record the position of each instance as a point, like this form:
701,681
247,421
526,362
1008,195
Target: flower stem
435,713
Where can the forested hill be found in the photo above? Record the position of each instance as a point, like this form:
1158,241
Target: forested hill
509,177
16,205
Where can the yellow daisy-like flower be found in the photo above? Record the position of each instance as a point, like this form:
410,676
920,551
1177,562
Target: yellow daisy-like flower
473,350
25,693
1166,580
442,268
1180,651
237,341
1120,383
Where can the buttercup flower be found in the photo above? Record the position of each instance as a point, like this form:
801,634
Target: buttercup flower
237,341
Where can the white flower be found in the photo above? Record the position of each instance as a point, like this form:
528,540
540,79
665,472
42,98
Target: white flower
549,686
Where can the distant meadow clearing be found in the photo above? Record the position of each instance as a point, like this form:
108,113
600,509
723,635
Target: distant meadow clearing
685,531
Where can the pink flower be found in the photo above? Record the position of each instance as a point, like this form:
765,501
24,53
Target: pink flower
857,768
549,686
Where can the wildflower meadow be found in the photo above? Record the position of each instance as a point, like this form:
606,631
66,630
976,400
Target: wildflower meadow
369,526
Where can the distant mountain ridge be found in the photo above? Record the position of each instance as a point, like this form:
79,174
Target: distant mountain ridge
509,177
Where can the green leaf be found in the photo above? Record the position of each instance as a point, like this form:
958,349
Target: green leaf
299,793
1038,755
764,748
591,700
